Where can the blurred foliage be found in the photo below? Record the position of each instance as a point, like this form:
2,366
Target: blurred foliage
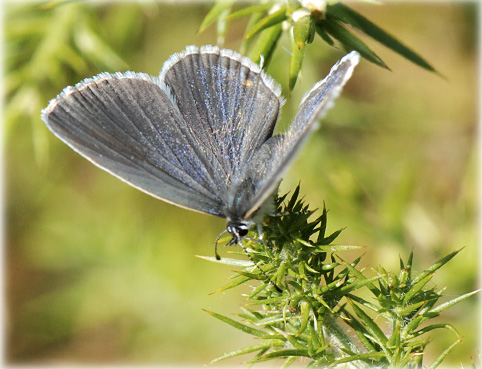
98,272
302,20
317,295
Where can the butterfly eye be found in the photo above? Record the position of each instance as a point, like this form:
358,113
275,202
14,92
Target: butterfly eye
242,230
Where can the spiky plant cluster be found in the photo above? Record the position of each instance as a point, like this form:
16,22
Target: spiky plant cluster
318,313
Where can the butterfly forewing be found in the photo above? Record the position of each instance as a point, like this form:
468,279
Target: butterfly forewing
127,125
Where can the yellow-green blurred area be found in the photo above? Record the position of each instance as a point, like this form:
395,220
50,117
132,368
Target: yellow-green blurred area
97,272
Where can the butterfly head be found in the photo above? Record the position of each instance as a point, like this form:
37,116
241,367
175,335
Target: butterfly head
238,230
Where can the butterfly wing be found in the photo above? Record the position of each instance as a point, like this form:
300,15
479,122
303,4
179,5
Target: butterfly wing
273,158
158,135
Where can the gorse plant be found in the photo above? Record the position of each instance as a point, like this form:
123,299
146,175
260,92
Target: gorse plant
328,311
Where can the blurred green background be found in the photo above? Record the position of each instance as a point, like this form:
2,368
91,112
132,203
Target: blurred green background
100,273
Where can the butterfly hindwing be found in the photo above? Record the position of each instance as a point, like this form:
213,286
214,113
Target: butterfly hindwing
274,157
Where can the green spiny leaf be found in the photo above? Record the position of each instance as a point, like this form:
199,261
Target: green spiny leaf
331,237
259,8
268,21
408,309
268,301
227,261
295,64
237,325
346,15
239,280
436,326
322,33
259,346
360,276
444,354
216,11
435,266
305,308
451,303
314,337
301,31
358,284
360,330
350,41
285,353
265,45
364,357
414,290
373,328
294,198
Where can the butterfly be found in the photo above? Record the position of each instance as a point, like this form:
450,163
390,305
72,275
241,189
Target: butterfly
199,136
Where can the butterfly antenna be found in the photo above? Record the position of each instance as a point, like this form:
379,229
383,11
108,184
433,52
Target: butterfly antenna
216,245
259,268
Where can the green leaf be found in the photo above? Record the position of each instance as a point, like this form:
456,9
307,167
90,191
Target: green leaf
268,21
368,355
335,248
373,328
346,15
285,353
358,284
260,346
435,266
222,26
360,330
265,45
360,276
294,198
322,33
450,303
350,41
330,238
301,31
416,288
408,309
305,308
237,282
219,9
237,325
436,326
314,338
363,302
268,301
260,8
416,322
272,19
272,319
228,261
444,355
323,222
